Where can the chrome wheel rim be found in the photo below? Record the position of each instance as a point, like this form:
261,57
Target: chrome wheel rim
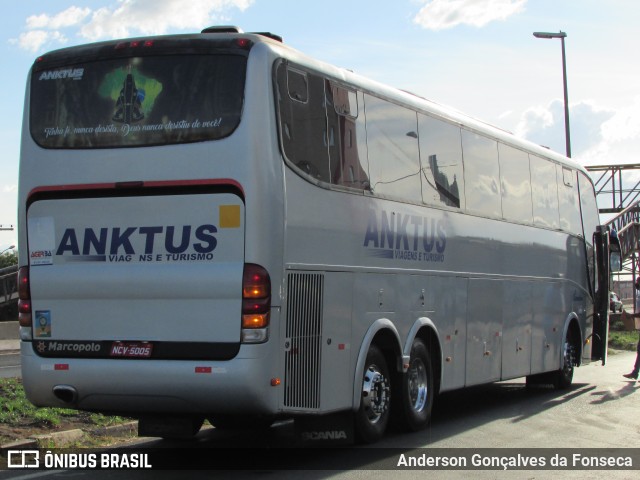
375,394
567,366
417,385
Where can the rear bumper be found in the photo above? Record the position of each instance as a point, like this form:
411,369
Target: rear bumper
135,387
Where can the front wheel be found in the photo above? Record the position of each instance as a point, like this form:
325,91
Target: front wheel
562,378
372,417
417,389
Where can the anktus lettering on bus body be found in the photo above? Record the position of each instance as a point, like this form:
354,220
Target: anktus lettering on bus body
405,237
143,244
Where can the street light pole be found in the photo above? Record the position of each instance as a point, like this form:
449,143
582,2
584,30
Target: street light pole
561,35
7,249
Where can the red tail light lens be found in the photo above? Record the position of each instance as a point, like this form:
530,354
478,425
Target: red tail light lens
244,43
24,295
24,290
256,296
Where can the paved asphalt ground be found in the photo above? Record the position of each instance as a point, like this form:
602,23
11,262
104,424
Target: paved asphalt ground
599,411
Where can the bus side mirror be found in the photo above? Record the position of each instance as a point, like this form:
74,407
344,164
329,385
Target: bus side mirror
615,262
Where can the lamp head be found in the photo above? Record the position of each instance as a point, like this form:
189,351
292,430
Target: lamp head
549,34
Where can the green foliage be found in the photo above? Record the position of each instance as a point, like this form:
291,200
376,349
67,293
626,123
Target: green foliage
8,259
15,407
623,340
619,338
16,410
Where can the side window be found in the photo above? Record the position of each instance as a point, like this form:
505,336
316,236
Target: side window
392,141
590,220
515,181
297,85
346,138
545,193
481,174
441,156
568,197
303,121
589,208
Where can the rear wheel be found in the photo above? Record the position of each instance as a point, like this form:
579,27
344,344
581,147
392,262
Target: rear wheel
372,417
241,422
417,390
169,427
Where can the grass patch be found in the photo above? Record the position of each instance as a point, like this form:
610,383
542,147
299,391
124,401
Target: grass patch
623,340
21,419
619,338
16,409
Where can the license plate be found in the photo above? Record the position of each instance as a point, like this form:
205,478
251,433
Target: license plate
131,349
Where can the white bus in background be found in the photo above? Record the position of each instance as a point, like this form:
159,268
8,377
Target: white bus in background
218,226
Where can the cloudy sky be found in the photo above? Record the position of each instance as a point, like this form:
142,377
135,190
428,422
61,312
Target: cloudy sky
478,56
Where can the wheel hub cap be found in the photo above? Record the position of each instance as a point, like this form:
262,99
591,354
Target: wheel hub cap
375,394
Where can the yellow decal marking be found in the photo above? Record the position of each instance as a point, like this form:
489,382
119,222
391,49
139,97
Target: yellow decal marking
229,216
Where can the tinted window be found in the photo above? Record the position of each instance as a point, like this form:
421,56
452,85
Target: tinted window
545,193
303,121
441,157
590,215
590,220
481,174
137,101
516,184
346,138
297,85
392,141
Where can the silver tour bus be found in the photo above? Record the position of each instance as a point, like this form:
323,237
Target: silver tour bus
216,226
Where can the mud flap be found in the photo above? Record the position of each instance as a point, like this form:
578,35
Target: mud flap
325,430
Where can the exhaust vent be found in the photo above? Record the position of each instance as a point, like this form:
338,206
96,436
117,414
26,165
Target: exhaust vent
303,340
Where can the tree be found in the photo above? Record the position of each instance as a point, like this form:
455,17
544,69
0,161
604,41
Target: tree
8,259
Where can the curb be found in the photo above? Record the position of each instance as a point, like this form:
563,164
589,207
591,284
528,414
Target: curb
67,437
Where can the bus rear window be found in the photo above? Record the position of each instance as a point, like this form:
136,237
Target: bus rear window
138,101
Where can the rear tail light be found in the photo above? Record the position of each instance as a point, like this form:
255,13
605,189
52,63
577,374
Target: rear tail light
244,43
133,44
24,297
256,303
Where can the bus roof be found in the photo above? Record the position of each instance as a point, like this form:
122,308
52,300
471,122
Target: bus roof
222,34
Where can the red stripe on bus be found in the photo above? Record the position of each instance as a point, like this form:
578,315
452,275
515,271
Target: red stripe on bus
143,184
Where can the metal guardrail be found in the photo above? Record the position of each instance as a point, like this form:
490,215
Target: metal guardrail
627,226
8,284
616,186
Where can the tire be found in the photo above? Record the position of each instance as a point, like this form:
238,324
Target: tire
173,428
416,392
536,380
241,422
372,417
563,378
